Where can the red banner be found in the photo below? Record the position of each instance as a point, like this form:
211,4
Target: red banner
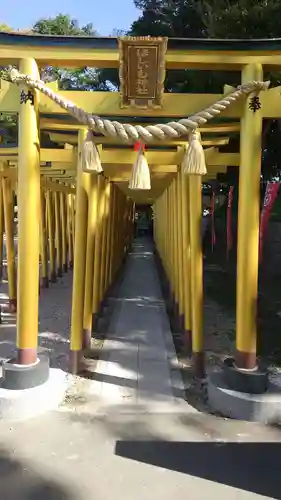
213,221
269,199
229,239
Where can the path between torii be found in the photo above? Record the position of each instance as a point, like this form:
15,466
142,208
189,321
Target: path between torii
136,438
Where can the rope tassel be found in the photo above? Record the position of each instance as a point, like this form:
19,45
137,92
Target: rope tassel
140,178
194,158
91,162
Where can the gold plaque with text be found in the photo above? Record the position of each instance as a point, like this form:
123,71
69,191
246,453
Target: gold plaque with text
142,71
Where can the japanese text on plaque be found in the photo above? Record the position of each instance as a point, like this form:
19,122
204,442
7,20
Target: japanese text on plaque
142,83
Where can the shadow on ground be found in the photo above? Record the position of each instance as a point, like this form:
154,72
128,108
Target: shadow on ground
20,482
252,467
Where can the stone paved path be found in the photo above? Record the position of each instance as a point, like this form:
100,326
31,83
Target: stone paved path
138,369
133,437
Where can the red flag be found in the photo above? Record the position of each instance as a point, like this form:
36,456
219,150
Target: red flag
229,239
213,221
269,199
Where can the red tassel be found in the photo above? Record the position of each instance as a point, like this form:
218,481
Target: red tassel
138,145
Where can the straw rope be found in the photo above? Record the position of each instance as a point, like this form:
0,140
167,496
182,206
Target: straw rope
126,131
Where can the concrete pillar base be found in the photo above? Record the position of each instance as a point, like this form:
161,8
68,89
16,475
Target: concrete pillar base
19,376
87,339
53,278
12,306
29,403
265,408
45,282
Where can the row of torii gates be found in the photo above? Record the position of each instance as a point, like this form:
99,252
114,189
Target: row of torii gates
68,216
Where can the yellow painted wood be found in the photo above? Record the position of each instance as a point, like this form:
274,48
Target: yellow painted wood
186,251
80,244
43,241
51,234
100,58
98,246
167,234
58,234
109,237
73,139
108,103
195,210
104,247
211,127
73,203
93,199
248,222
12,173
9,237
63,230
1,229
164,157
127,157
28,224
171,243
119,230
69,230
222,59
180,243
113,233
174,105
175,241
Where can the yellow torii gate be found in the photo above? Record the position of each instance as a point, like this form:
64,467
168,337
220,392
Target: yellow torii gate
105,203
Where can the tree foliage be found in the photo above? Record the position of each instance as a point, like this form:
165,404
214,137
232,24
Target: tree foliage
182,19
241,18
62,25
224,19
173,18
5,28
69,79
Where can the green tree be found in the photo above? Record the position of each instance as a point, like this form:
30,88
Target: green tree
215,19
181,19
241,18
173,18
62,25
5,28
69,79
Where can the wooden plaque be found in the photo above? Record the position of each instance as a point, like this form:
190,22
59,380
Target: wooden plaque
142,71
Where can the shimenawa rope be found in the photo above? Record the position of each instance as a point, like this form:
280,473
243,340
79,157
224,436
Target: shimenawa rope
126,131
194,158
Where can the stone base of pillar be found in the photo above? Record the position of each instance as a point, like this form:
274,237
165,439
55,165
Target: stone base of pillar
65,268
265,408
87,339
23,404
59,272
12,306
45,282
76,364
181,322
187,341
95,318
53,278
16,376
254,381
198,362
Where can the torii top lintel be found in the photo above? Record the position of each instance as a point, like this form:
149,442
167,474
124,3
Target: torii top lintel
103,51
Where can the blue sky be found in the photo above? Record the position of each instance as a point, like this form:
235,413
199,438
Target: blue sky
106,15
